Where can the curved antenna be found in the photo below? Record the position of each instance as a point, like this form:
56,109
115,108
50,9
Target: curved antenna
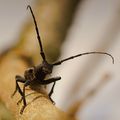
72,57
38,36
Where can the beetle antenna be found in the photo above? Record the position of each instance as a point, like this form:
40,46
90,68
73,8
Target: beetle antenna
72,57
38,35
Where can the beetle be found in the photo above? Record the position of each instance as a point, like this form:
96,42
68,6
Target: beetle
36,75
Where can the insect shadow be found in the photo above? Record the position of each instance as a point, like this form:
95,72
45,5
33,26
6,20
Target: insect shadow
36,75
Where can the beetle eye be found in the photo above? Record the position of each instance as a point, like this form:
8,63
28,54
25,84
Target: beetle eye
31,70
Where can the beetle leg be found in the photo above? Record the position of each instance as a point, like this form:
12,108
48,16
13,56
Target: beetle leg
48,81
18,79
51,92
23,96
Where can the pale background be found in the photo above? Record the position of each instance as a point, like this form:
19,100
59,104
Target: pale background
96,27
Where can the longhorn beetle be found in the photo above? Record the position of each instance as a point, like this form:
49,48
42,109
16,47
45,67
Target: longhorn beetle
36,75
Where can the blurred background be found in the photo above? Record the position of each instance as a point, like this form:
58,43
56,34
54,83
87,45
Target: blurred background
92,82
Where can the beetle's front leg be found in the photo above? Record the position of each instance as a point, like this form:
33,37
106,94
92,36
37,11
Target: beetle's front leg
51,92
23,96
48,81
18,79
